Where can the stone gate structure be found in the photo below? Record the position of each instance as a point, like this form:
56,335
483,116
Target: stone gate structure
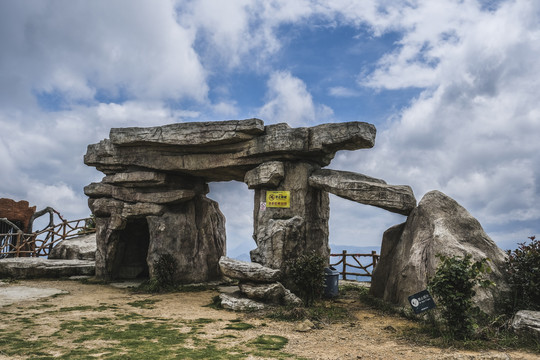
152,200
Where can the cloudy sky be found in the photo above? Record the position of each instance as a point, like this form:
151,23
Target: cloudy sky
453,88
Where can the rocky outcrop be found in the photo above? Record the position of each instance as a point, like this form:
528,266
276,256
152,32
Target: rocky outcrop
236,302
365,190
197,247
258,286
439,225
527,321
247,271
281,234
77,248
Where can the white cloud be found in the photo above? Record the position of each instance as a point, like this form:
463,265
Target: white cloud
289,101
472,132
340,91
77,49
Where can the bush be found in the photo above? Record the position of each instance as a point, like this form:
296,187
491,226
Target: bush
523,271
307,273
453,288
165,270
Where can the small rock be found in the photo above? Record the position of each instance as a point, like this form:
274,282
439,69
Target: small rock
390,328
304,326
232,302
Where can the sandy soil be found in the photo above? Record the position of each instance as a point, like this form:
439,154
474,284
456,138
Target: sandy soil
367,335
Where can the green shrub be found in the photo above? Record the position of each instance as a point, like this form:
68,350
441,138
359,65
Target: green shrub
307,273
165,270
523,271
453,288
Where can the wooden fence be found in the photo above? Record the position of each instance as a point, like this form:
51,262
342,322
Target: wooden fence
40,243
355,264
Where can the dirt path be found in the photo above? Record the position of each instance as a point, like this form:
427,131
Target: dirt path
367,335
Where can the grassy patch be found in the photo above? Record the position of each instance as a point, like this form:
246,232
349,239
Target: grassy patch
270,342
143,304
239,326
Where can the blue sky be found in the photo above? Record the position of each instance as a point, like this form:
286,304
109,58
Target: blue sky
452,87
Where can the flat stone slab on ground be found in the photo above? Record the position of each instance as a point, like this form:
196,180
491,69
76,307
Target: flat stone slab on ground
22,268
14,294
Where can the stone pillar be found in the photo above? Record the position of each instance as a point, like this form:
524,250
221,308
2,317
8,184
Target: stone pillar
283,234
193,233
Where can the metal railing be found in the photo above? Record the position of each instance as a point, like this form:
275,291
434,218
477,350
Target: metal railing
355,264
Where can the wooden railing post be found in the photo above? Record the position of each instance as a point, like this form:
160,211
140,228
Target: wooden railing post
374,254
344,264
18,246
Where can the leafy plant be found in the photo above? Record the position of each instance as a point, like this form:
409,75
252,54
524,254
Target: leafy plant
307,273
165,270
523,270
453,287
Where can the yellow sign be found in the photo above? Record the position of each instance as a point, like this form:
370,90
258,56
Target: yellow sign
280,199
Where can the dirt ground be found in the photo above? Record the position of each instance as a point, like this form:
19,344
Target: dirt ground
366,335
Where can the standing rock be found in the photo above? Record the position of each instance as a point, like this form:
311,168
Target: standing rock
194,235
282,234
439,225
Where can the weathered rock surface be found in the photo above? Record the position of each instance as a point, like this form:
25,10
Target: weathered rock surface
527,321
238,303
267,175
199,244
221,151
439,225
273,292
78,248
247,271
365,190
190,134
281,234
22,268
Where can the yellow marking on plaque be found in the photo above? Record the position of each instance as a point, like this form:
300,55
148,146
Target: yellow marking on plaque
279,199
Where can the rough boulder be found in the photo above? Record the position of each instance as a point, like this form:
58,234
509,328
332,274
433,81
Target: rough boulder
439,225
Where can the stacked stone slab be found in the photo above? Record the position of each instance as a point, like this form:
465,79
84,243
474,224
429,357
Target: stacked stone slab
258,286
157,180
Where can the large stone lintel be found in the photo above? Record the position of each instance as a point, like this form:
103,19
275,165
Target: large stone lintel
189,134
365,190
220,153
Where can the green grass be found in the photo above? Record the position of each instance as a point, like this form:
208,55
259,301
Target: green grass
239,326
143,304
270,342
